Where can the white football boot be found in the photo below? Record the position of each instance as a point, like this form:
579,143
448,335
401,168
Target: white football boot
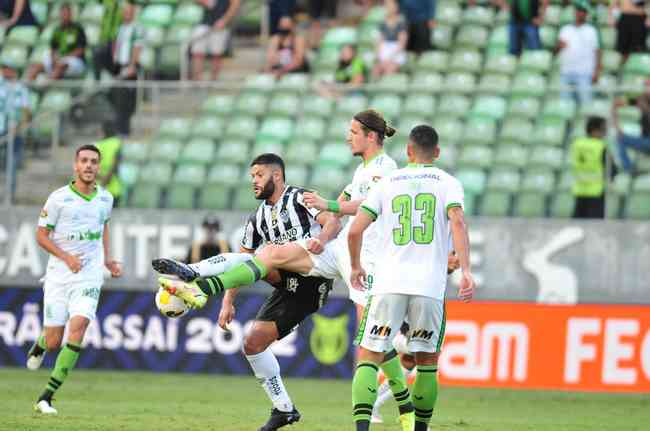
45,408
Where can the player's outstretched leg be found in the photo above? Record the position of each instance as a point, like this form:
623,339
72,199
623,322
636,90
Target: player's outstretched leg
209,267
173,267
395,375
36,354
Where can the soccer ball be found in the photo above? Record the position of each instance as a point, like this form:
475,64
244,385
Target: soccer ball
170,305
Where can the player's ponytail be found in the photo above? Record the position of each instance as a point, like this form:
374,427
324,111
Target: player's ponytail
389,131
373,121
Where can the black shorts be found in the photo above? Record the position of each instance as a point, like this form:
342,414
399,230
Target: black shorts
419,37
589,207
295,298
322,9
631,34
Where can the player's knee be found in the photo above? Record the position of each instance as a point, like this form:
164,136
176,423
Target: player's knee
256,343
52,342
277,255
426,358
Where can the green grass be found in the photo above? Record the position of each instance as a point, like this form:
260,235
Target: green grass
96,400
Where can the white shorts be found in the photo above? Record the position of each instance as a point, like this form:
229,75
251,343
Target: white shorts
61,301
391,51
76,66
334,262
385,314
208,41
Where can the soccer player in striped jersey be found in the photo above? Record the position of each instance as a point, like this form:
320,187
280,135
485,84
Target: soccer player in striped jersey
418,210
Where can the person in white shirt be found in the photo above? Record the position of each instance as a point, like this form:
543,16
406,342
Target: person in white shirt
418,210
73,229
579,53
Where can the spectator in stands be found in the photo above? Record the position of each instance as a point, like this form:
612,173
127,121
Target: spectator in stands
124,65
14,13
103,52
626,141
110,149
349,77
212,243
320,12
419,16
277,10
67,50
287,50
391,46
588,163
526,16
579,55
212,36
15,111
632,22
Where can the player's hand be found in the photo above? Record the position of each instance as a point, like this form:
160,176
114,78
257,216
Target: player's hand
226,315
315,246
220,24
453,263
358,278
114,268
73,262
313,200
466,288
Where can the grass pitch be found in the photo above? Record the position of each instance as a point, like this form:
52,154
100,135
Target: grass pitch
97,400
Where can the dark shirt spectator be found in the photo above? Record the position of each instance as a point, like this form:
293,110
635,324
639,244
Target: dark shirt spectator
210,245
17,13
631,20
525,18
103,52
287,51
391,46
626,141
419,16
278,9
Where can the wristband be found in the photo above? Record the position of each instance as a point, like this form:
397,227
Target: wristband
333,206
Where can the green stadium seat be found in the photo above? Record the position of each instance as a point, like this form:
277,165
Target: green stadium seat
233,151
389,105
284,105
493,107
494,84
559,109
179,34
368,35
621,184
146,196
408,122
397,153
198,151
449,129
608,37
338,128
514,156
56,101
503,64
442,37
219,104
327,59
23,36
134,151
547,157
311,128
422,105
92,34
449,13
423,82
251,104
208,126
190,174
538,181
156,15
504,179
552,15
276,128
181,196
242,126
637,64
39,10
567,16
453,105
611,61
462,83
632,84
45,36
565,182
159,173
244,199
375,16
16,55
562,205
524,107
301,151
480,130
548,35
154,36
328,181
393,83
496,204
478,15
515,131
128,173
225,174
349,106
475,156
472,37
178,128
261,82
529,84
339,36
530,205
448,156
296,175
548,133
433,61
473,179
165,149
37,54
268,145
148,59
466,61
214,197
335,155
470,204
293,82
641,184
316,105
498,41
536,61
638,206
188,14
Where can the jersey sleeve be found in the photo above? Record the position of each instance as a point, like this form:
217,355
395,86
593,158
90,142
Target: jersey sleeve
300,200
50,213
372,204
455,196
347,191
252,238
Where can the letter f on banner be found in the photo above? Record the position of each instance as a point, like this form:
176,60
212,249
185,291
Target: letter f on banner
577,350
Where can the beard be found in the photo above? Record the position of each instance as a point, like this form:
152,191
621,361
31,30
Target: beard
267,191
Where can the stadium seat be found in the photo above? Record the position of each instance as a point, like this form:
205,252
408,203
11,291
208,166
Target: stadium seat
525,107
494,84
214,197
393,83
177,128
368,35
154,36
23,35
296,175
608,37
165,149
327,59
632,84
339,36
462,83
638,206
515,131
226,174
293,82
198,151
251,104
328,181
334,155
261,82
442,37
134,151
433,61
422,105
621,184
549,133
56,101
453,105
244,199
284,105
503,64
514,156
504,179
220,105
39,10
16,55
181,196
637,64
552,15
208,126
233,151
548,35
145,196
498,41
389,105
448,155
529,84
475,156
349,106
156,15
478,15
156,172
613,206
559,109
313,104
471,36
473,179
611,61
538,181
188,14
641,184
493,107
375,16
449,129
92,34
301,152
407,123
190,174
530,205
276,128
449,13
562,205
242,126
310,128
535,61
128,173
268,145
479,130
423,82
496,204
546,157
466,61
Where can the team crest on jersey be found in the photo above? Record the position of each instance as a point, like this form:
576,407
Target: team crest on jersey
284,216
292,284
329,339
376,178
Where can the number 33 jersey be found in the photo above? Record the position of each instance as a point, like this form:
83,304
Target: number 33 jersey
410,208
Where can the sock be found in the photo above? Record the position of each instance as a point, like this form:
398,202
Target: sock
425,393
267,370
395,377
242,274
364,394
220,263
65,361
383,394
40,346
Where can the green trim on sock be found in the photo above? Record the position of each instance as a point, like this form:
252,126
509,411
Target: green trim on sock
425,392
41,342
244,274
65,361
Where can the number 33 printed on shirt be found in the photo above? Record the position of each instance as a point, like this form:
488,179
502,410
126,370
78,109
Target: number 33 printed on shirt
425,204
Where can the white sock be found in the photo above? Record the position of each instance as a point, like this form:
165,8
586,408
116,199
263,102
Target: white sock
383,394
267,370
219,264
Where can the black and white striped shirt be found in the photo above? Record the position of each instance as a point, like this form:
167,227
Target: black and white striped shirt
288,220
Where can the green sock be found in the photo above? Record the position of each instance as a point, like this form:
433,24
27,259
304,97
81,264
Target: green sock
364,393
65,361
241,275
397,382
425,393
41,342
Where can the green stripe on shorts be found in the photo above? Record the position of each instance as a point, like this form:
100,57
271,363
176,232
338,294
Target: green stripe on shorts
362,325
442,327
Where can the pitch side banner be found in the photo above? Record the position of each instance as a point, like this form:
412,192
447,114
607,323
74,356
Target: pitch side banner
130,333
546,261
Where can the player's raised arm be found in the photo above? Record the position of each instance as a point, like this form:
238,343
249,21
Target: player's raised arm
341,206
461,246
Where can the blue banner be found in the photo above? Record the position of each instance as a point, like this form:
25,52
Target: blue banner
130,333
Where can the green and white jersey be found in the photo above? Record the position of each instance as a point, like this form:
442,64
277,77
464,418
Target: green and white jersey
410,211
366,177
77,224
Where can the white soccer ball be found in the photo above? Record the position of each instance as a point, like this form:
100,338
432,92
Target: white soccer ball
170,305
